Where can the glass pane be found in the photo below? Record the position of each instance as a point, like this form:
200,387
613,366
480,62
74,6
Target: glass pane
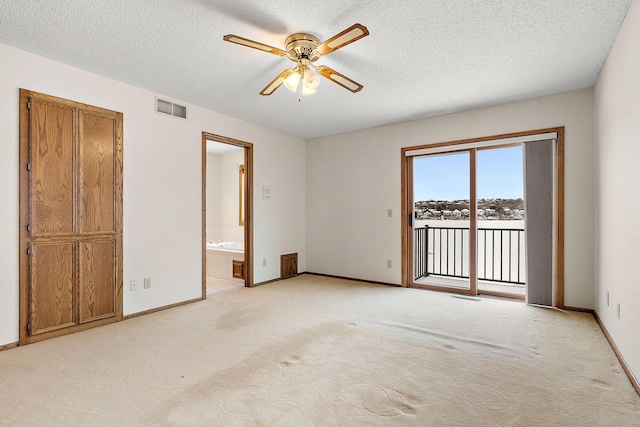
441,220
500,189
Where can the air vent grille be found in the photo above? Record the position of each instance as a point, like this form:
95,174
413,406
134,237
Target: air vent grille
180,111
171,108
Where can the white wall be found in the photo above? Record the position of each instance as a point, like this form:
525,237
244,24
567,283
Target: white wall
353,178
214,200
223,197
617,112
230,195
162,185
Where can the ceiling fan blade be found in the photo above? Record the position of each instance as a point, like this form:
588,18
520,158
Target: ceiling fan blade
277,82
340,79
351,34
253,44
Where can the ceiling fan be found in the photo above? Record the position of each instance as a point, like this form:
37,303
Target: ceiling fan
304,49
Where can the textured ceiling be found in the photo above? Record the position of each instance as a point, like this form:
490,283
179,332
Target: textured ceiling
422,58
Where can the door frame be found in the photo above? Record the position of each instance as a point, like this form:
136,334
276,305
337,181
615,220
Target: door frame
248,206
25,213
406,170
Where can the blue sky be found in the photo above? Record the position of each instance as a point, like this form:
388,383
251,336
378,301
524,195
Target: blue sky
446,177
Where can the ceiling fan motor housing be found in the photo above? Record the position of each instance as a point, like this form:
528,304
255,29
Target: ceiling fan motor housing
302,46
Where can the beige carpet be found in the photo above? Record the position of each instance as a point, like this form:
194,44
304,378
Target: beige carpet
325,352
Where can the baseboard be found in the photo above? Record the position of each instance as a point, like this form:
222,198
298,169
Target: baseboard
579,309
270,281
612,343
353,279
8,346
277,279
155,310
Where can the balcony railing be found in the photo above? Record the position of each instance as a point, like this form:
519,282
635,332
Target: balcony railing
444,251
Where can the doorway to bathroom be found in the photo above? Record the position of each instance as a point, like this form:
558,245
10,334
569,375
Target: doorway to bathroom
227,171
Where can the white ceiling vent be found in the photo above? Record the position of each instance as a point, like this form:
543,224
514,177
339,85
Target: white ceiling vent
171,108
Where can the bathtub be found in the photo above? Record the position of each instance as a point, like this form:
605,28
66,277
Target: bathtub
220,257
236,247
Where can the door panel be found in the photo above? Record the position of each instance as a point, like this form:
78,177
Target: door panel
441,239
97,191
539,191
288,265
70,216
52,169
97,280
52,287
501,236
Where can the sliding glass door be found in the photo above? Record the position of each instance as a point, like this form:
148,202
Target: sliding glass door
484,216
441,188
501,216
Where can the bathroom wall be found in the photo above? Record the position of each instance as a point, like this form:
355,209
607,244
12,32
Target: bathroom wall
223,197
214,186
231,231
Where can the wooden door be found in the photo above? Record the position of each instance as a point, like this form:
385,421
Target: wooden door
70,216
288,265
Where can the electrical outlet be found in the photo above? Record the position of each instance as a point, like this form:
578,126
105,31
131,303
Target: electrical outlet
388,263
264,262
147,282
133,285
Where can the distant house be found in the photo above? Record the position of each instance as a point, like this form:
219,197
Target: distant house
489,212
435,213
465,213
456,214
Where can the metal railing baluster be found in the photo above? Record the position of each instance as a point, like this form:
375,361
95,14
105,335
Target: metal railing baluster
425,264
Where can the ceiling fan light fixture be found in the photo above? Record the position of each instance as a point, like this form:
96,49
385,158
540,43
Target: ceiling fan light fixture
306,90
292,81
311,80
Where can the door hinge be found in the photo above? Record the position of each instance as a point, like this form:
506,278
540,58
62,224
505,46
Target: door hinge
29,228
28,251
28,327
28,105
28,166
